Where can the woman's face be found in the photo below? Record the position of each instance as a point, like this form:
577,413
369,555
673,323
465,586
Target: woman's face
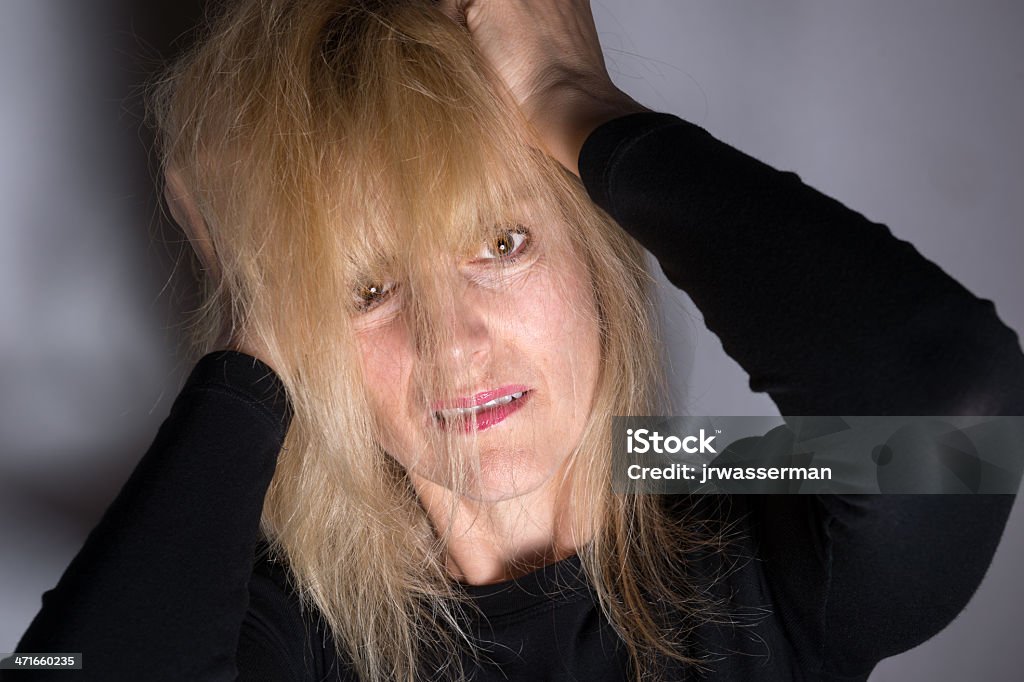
523,349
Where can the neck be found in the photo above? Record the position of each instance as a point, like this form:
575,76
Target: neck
493,541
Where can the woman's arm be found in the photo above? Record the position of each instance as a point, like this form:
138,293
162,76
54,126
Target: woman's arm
776,267
160,588
828,312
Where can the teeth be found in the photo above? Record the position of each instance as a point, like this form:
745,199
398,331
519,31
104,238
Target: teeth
460,412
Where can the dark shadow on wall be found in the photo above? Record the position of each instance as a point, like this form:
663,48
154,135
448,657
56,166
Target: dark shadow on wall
124,43
99,284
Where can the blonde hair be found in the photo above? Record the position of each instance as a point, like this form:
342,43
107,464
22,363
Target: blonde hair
324,141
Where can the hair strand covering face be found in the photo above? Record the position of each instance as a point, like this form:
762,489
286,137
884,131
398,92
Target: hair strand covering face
328,143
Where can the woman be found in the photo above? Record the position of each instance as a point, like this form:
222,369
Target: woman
429,326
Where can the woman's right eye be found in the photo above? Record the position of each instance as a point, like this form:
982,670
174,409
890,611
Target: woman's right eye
369,295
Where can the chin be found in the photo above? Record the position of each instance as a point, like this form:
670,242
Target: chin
502,476
503,473
508,475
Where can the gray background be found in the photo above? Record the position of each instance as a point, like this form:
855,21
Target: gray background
908,111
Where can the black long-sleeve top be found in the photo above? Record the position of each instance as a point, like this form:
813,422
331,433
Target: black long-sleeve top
827,312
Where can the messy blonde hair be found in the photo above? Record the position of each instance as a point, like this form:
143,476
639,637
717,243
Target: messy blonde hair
324,141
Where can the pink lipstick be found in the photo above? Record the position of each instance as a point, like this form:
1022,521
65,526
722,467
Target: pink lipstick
482,411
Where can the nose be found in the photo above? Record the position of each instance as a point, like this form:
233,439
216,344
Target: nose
465,315
459,328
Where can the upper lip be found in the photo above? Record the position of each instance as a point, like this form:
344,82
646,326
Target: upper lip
478,398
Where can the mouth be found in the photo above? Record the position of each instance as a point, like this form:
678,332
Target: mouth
482,416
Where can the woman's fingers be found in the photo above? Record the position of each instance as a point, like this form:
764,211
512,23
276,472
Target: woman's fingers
186,213
534,44
548,55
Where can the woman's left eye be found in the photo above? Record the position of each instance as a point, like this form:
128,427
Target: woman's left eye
505,245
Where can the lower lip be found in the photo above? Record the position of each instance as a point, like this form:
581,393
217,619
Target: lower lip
485,419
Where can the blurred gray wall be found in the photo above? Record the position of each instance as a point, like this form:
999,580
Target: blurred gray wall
909,112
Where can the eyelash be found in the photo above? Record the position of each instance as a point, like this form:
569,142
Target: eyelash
517,253
387,289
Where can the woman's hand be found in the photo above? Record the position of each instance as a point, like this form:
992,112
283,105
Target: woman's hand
548,54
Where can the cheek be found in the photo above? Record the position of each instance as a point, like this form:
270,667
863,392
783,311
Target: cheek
560,329
582,353
386,365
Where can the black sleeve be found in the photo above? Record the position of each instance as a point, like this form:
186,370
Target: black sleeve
159,590
828,313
